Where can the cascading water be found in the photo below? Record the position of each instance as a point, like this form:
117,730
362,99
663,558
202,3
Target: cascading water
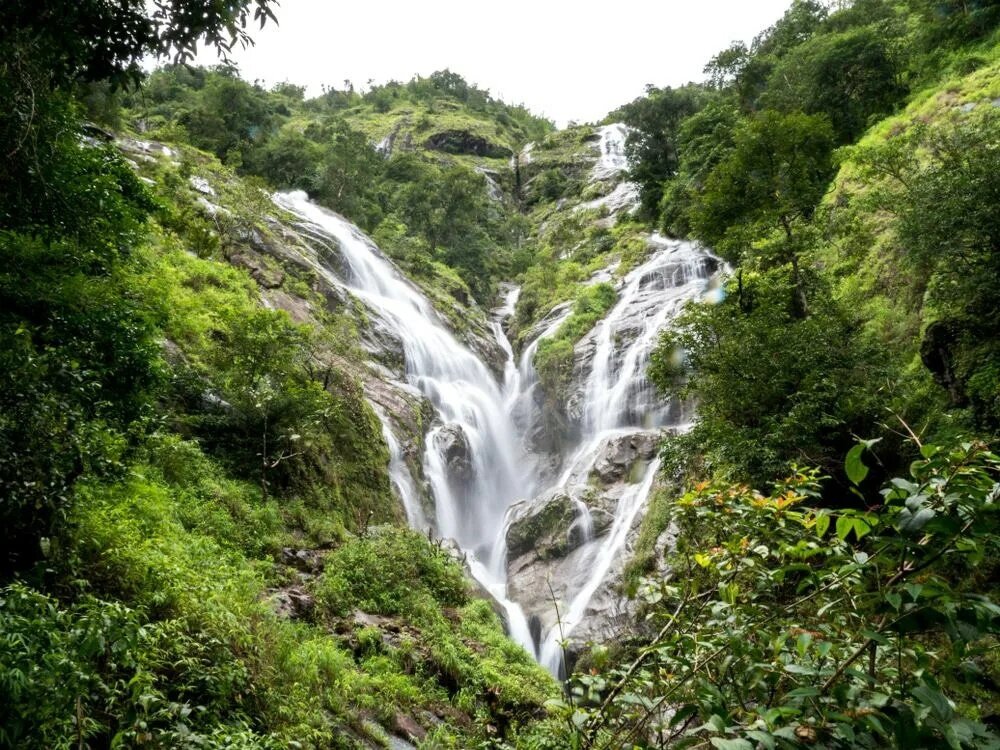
612,160
461,388
475,458
618,401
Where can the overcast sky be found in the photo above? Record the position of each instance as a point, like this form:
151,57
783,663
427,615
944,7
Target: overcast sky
565,60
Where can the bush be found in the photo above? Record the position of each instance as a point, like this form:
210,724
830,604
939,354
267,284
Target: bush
787,625
386,571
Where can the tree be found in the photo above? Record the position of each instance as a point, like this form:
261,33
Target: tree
851,77
771,182
229,115
94,40
348,174
703,141
773,388
652,145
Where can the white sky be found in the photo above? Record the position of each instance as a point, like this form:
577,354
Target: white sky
565,60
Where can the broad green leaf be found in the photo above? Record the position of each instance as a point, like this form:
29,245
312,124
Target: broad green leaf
822,524
935,700
928,451
853,466
861,528
802,692
764,738
911,523
844,526
716,723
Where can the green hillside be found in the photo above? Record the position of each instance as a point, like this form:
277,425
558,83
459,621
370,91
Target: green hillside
202,543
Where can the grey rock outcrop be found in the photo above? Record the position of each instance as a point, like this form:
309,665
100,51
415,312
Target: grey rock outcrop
620,455
453,444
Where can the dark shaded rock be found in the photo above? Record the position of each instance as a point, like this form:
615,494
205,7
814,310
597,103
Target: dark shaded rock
464,142
451,441
937,352
307,560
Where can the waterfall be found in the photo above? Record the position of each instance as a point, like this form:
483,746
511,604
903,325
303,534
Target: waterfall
467,400
400,476
475,459
612,160
619,401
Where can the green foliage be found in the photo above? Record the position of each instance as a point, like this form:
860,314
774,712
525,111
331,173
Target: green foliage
78,358
703,140
555,353
95,40
774,176
554,364
656,119
228,115
262,394
852,78
81,674
388,572
940,183
788,625
770,385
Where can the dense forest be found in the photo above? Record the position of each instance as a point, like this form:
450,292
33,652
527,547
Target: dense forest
204,544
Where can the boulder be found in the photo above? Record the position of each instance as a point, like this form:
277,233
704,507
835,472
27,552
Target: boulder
619,455
541,525
306,560
453,445
292,603
556,522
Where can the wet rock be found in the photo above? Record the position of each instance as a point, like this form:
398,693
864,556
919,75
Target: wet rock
554,523
383,342
406,406
620,454
541,526
610,617
453,445
493,188
538,584
406,726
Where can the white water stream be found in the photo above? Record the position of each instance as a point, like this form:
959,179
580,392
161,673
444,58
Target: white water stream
492,418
